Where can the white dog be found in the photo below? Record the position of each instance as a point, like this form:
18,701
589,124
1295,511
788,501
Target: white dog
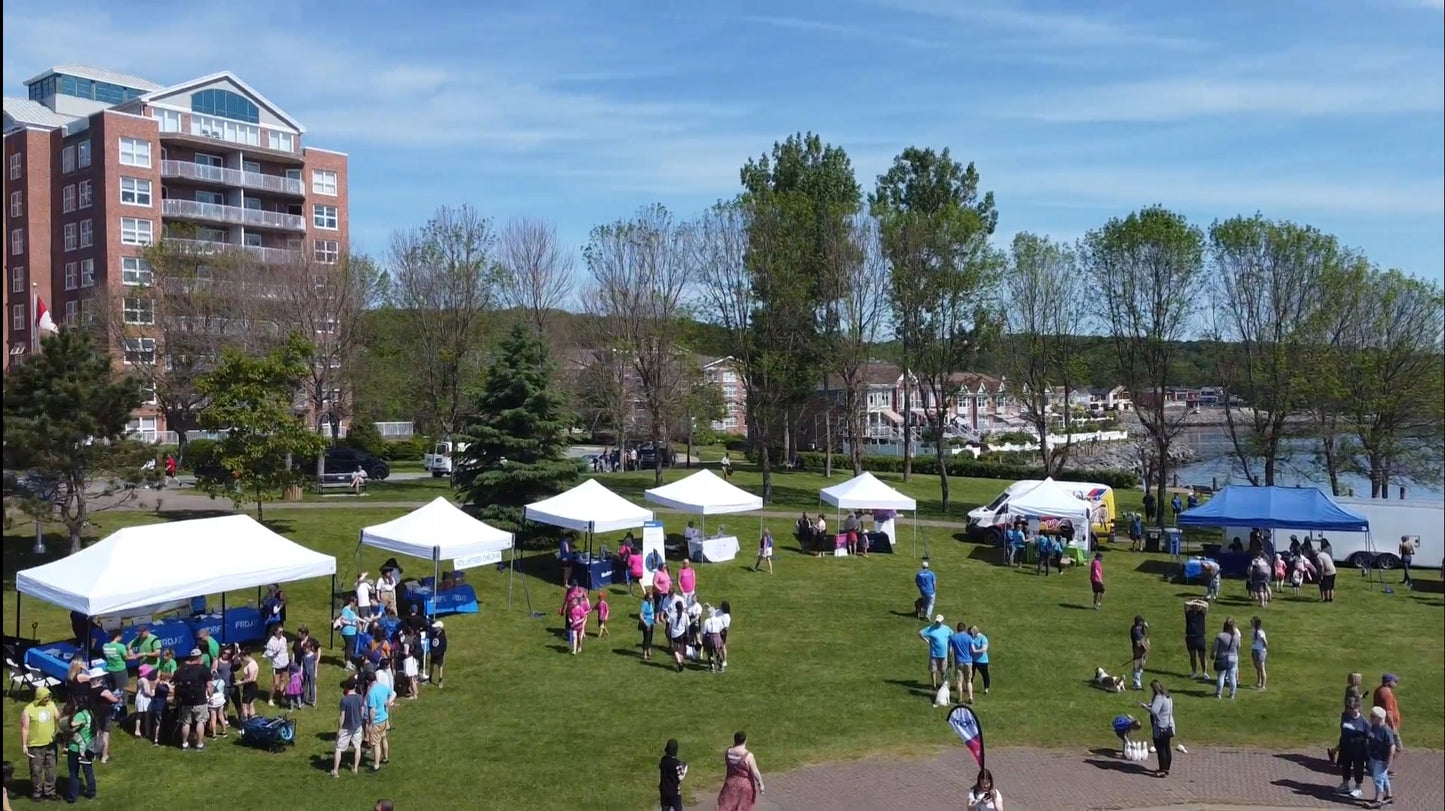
940,698
1112,684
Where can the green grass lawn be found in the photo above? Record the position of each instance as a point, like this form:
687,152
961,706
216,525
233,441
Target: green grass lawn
825,664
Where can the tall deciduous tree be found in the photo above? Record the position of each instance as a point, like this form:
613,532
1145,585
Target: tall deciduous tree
1044,305
539,271
862,310
517,436
66,410
445,281
797,199
1148,269
252,401
936,230
641,280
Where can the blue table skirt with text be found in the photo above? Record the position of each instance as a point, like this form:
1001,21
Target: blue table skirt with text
594,574
243,625
459,599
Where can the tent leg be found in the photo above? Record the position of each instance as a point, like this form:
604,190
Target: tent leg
511,570
17,614
331,638
223,615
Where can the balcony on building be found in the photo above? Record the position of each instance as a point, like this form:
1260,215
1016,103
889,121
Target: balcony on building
206,247
250,217
222,176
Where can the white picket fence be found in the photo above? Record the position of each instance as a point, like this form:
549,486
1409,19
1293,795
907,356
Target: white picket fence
1056,439
388,430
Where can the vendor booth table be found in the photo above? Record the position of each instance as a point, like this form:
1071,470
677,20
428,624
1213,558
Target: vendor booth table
241,625
437,531
591,508
594,573
713,550
865,493
461,598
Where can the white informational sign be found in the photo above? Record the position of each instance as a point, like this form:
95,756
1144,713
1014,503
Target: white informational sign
653,555
480,559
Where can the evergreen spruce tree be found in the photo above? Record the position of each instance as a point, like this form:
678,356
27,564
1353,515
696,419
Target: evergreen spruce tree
516,441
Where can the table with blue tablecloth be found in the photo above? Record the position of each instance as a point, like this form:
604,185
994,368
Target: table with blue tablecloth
243,625
595,573
461,598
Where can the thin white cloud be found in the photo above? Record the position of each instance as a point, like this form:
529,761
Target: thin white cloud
856,32
1042,27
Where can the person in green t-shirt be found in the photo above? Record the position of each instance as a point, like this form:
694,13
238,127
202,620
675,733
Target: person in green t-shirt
114,652
210,648
146,647
168,662
77,751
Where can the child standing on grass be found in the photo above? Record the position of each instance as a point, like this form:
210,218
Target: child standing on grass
1096,579
577,622
292,692
604,612
157,711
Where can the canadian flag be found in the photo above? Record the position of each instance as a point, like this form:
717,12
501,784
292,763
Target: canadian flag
43,321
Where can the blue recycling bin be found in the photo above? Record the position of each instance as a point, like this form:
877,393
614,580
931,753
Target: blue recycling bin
1173,540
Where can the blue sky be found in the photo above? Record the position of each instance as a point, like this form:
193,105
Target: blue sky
1327,111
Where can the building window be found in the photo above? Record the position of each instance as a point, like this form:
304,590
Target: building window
141,311
140,350
17,242
223,130
135,192
17,317
87,233
144,428
135,152
87,313
70,276
15,166
215,198
70,236
135,272
87,273
17,280
202,159
17,203
82,155
281,141
71,309
323,182
327,251
84,194
170,120
67,199
225,104
67,159
324,217
135,231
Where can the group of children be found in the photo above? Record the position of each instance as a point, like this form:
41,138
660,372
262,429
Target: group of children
576,608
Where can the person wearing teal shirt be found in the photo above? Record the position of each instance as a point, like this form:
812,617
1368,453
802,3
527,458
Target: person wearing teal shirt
1014,540
937,635
980,655
114,653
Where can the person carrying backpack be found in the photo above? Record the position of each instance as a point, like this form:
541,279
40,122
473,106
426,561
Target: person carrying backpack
76,728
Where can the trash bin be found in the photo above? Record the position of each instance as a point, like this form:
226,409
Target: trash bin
1173,540
1152,540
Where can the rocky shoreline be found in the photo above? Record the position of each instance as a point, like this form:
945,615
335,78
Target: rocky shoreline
1125,455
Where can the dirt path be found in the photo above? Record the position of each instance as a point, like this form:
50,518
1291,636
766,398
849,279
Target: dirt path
1053,780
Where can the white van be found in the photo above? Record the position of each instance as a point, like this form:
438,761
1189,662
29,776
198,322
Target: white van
1389,520
439,461
990,521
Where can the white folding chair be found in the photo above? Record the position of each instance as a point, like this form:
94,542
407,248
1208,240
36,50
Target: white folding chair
39,679
18,677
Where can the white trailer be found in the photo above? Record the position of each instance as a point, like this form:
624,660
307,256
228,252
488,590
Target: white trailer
1389,521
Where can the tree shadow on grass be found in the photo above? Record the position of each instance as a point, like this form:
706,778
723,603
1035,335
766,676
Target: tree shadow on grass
1317,791
1315,764
915,687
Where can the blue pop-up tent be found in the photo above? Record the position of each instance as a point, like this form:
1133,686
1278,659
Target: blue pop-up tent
1274,508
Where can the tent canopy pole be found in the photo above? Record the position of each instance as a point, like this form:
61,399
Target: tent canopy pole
223,612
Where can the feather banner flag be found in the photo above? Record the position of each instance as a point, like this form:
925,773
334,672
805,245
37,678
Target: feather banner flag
965,725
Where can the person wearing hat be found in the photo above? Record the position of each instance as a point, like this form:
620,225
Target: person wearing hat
103,701
438,654
1380,749
927,591
1384,698
37,738
937,636
193,694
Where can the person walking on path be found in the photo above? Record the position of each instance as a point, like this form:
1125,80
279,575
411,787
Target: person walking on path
744,782
1226,659
1258,653
983,796
936,636
671,773
349,726
1096,579
37,739
960,649
1380,748
1139,649
1161,723
927,585
1354,732
980,655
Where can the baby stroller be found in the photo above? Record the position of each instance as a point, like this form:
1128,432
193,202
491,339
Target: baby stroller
271,734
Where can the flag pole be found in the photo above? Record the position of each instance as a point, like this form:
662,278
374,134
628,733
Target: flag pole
34,317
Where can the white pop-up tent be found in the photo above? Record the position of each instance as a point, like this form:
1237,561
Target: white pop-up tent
705,493
157,563
1049,499
866,492
588,507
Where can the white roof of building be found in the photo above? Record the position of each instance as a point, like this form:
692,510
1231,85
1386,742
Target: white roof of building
96,74
181,87
24,112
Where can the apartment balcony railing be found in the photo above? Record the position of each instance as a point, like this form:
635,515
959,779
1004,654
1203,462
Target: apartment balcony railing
203,173
202,246
232,215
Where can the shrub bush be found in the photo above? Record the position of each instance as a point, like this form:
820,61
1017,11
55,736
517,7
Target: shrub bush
405,450
198,452
364,436
966,466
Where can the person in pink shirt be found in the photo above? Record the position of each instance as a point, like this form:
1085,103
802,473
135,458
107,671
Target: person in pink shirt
577,623
1096,579
604,612
634,570
687,581
661,587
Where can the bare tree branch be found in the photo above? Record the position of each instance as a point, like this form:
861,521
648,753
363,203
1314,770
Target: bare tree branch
539,278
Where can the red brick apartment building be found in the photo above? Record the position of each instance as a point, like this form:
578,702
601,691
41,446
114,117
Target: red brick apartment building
98,165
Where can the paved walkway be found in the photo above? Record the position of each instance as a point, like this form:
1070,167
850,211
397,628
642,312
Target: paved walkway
1053,780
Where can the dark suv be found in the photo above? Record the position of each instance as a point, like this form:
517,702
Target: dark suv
341,462
647,456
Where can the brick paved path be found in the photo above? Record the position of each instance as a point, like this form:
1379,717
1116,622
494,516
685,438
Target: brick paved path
1055,780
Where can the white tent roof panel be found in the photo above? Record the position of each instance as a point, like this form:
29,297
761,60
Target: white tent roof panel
440,528
704,493
588,506
866,492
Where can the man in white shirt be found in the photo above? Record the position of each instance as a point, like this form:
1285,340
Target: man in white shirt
278,654
1326,566
363,596
712,629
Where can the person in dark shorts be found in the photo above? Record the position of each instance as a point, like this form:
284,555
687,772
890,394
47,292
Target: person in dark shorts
672,771
437,654
1196,614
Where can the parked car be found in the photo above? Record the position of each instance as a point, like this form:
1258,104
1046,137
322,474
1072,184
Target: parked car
647,456
341,462
32,485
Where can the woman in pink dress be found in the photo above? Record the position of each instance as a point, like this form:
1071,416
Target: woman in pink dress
744,782
687,581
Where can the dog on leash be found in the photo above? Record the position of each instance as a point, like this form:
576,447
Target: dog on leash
1107,683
